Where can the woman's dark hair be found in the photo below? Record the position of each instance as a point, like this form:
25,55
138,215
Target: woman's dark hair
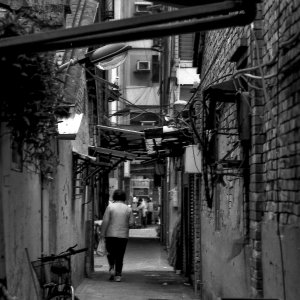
119,195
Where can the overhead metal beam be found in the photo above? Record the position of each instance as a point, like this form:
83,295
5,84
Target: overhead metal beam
191,19
182,3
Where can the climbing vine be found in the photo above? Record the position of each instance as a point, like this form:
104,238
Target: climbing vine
31,96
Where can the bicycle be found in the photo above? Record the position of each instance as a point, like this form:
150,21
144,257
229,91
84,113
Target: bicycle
54,275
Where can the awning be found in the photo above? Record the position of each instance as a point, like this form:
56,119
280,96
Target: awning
148,96
101,160
222,92
123,140
152,142
167,141
84,168
121,130
113,153
113,157
85,157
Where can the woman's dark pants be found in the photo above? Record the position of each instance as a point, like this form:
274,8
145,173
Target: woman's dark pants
116,249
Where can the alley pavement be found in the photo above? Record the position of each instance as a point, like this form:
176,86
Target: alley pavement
146,274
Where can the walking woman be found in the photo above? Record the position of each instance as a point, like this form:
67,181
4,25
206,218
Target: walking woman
117,220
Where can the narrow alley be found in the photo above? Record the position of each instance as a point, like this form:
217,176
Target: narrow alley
179,119
146,274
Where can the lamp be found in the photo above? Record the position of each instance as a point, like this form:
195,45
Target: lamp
106,57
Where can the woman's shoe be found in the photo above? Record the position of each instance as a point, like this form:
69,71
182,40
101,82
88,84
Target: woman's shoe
112,273
118,278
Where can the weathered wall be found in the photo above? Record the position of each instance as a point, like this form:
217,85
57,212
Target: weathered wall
281,213
22,221
70,212
265,263
174,200
225,262
42,217
24,198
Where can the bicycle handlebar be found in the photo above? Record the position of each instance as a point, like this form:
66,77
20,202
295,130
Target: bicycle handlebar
70,251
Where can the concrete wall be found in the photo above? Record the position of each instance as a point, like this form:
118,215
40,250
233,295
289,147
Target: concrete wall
42,217
70,211
21,200
23,196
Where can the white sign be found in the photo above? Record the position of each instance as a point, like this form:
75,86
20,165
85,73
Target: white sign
127,168
140,183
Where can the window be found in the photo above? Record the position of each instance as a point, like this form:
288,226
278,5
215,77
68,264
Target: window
143,65
141,8
186,46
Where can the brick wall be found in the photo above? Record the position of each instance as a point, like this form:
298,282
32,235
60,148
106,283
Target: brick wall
226,221
83,13
280,155
270,216
281,118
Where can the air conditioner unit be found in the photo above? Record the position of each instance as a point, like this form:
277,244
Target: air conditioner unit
142,7
143,65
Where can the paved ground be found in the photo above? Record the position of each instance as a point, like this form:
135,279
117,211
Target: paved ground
146,274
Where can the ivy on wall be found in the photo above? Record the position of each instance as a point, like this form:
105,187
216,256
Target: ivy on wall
31,96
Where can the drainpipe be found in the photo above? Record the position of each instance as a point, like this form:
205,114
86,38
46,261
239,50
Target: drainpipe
88,194
3,179
199,282
42,213
163,103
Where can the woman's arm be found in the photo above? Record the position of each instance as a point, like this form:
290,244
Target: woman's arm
131,219
105,222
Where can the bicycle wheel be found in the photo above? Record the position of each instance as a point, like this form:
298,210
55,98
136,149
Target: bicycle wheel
61,296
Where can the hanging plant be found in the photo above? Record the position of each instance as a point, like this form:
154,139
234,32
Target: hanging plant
31,96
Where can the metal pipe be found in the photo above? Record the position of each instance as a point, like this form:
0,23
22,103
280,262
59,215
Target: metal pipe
147,32
134,28
42,188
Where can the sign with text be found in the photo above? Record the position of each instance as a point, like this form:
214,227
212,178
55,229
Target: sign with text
140,192
140,183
